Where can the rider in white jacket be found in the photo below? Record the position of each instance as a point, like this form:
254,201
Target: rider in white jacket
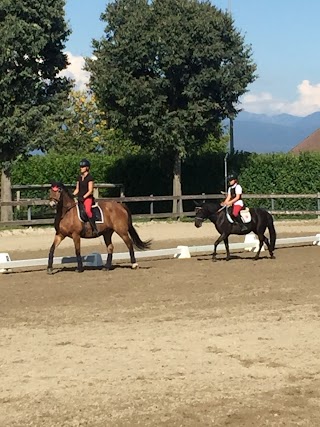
234,199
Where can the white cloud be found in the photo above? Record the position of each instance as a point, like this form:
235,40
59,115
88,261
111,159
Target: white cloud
76,72
307,102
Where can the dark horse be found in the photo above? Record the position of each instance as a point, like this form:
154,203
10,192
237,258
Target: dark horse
260,220
116,218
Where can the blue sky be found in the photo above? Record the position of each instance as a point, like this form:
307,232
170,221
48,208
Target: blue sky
284,36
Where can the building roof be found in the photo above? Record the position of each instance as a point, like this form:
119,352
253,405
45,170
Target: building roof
311,143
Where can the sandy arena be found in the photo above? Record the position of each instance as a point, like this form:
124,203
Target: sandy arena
175,343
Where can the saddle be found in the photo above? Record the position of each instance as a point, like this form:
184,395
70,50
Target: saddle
96,212
244,213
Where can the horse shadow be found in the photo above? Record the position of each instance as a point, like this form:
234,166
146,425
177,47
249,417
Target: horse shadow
232,257
102,268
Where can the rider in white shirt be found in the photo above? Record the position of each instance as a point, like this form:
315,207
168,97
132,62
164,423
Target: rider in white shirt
234,199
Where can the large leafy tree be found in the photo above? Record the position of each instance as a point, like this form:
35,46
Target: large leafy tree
85,129
33,35
168,72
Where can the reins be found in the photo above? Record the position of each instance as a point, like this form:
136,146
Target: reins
212,215
68,208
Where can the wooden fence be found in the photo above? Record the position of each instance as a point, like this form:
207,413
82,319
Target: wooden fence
152,200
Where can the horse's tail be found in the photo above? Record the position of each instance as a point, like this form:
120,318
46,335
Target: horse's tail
134,235
272,232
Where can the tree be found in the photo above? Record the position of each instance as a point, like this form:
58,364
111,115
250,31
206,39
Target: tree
84,128
33,35
168,72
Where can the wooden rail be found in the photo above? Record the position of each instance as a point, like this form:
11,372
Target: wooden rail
29,203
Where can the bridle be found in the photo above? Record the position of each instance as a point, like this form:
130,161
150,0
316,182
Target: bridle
57,200
198,209
211,215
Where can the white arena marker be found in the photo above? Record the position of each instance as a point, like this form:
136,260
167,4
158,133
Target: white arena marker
183,252
251,240
253,243
177,252
317,241
4,257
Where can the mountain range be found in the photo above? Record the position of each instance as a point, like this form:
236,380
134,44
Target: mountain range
262,133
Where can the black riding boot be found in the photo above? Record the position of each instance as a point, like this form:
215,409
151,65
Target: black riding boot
238,219
93,224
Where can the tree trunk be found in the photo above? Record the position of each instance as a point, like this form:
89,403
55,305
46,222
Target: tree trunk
177,207
6,196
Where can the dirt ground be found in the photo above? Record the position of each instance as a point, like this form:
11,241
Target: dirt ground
178,342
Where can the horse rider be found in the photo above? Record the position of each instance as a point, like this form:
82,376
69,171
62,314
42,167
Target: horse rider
84,191
234,199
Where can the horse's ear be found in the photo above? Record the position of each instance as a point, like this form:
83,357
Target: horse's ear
197,204
56,185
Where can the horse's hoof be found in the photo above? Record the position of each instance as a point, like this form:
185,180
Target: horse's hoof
135,266
272,257
79,270
228,258
213,259
106,268
49,271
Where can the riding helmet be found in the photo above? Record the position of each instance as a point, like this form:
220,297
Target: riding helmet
84,163
232,176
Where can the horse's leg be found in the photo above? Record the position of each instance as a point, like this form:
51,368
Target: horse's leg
222,237
76,240
107,240
261,240
125,237
266,241
56,242
226,243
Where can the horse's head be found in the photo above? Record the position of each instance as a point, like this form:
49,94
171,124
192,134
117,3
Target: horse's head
201,215
55,193
205,211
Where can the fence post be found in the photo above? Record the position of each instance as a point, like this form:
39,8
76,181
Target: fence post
122,191
18,197
151,206
272,203
318,204
29,213
96,193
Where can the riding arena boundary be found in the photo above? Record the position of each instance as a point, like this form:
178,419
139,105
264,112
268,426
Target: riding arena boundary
251,243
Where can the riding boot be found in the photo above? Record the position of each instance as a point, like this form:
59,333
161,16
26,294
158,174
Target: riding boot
93,224
238,219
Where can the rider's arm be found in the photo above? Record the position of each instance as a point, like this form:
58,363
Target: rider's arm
235,199
90,190
76,191
227,199
238,191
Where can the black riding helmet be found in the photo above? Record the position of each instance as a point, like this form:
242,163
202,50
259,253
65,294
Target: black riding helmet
232,176
84,163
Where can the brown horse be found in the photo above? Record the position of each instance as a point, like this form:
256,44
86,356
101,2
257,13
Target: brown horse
115,217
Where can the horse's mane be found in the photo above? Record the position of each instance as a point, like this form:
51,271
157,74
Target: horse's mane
211,207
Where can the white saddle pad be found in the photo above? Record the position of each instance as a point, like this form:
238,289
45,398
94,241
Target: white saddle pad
245,215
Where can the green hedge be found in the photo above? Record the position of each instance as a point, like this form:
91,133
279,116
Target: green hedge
142,175
283,174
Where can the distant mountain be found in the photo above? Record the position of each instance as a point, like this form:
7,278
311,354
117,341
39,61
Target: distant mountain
261,133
